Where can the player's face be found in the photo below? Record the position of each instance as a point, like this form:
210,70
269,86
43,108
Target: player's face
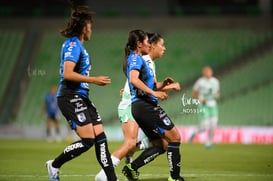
145,48
87,32
158,48
207,72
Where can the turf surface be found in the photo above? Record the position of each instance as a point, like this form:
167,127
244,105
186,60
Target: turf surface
25,160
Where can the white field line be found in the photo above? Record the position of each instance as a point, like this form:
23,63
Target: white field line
150,175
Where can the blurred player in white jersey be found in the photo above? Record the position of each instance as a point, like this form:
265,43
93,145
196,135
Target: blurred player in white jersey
207,90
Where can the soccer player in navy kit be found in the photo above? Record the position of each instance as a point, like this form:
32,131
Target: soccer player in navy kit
73,99
150,117
52,110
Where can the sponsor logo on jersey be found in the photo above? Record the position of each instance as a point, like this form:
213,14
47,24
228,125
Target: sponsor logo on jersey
68,54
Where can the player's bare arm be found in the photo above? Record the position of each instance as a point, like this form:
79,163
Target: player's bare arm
71,75
134,74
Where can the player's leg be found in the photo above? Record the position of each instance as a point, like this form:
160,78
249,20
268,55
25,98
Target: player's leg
145,114
143,143
75,149
130,132
101,144
169,132
48,128
81,123
213,121
57,128
203,116
173,153
72,151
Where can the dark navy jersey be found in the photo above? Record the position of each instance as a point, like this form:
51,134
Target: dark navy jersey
146,75
73,50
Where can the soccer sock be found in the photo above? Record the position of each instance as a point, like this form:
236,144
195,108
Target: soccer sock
115,161
173,155
104,157
147,156
47,131
144,144
72,151
57,131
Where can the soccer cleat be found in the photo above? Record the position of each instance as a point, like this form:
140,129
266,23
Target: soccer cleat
179,179
52,172
130,173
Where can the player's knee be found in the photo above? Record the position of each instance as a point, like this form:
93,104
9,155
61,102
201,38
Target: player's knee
173,145
101,138
130,144
88,142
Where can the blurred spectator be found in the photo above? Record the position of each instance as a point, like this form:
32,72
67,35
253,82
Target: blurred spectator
52,110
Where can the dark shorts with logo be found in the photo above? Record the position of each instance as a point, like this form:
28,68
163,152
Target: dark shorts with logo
78,110
151,118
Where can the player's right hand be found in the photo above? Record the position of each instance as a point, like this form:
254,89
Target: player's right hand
102,80
161,95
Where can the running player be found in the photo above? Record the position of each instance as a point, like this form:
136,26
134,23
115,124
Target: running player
151,118
131,130
73,101
207,90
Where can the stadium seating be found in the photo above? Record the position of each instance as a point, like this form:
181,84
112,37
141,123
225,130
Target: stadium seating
187,52
10,44
246,96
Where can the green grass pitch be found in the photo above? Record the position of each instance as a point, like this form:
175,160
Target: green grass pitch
25,160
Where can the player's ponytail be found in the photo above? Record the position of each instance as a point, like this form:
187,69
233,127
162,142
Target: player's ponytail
80,16
131,45
78,5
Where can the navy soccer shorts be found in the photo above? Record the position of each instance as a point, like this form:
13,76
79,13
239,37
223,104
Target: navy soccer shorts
151,118
78,110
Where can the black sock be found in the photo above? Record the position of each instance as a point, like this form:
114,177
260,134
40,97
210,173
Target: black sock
173,155
73,150
104,157
147,156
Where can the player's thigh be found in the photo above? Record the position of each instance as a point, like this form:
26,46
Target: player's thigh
130,130
172,135
85,131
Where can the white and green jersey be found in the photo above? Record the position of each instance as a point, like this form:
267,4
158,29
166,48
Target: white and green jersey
207,89
126,96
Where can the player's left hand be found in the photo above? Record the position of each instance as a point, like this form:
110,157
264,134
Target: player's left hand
167,81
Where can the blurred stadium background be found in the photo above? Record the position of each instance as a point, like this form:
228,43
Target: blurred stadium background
235,37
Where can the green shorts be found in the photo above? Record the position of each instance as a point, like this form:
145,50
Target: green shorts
206,112
125,114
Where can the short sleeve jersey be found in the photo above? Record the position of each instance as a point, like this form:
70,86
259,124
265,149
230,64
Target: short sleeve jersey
146,75
51,104
207,89
73,50
126,97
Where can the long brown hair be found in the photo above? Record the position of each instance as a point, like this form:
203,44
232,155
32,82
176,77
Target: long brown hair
76,23
131,45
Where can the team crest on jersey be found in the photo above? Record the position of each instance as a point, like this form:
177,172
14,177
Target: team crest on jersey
167,121
81,117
